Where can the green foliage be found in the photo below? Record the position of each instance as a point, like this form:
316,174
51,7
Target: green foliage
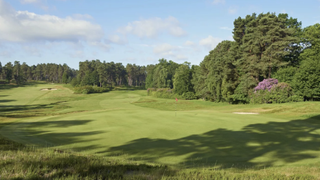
182,79
222,75
149,78
199,75
0,70
263,42
111,74
232,69
241,93
285,74
311,41
65,78
8,71
161,74
169,94
160,77
75,82
189,95
279,93
21,73
90,89
306,81
162,93
90,78
136,75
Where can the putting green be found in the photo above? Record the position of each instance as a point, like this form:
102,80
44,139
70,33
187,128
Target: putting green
130,125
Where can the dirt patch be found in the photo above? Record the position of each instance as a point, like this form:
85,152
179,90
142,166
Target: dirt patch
48,89
245,113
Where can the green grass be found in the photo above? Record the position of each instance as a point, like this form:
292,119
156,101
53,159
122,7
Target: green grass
131,129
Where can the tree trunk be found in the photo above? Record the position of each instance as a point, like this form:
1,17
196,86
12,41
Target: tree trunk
269,72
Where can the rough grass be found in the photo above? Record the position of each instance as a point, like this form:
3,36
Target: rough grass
158,138
19,162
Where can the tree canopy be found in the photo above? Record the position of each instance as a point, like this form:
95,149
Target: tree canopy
264,46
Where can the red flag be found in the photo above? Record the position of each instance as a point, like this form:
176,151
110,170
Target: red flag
177,99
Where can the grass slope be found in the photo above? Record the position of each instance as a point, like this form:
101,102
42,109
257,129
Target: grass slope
127,126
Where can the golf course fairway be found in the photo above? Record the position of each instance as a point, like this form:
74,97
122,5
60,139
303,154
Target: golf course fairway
130,125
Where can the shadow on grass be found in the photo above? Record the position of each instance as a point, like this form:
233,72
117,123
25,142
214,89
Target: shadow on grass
32,132
28,163
6,100
127,88
286,142
7,86
23,111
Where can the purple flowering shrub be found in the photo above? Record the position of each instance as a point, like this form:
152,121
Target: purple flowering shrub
266,84
270,91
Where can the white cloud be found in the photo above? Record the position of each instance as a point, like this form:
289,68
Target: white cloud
117,39
232,10
24,26
189,43
102,45
218,1
33,34
153,27
181,57
226,28
164,49
169,51
210,42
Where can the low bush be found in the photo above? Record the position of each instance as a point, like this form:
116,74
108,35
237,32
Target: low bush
163,93
189,95
128,88
90,89
275,93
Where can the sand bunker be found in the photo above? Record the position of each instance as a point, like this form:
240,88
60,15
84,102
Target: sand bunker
244,113
48,89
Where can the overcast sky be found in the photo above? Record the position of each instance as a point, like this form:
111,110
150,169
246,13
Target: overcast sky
128,31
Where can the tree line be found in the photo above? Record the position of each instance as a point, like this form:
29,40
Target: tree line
92,73
103,74
21,73
265,47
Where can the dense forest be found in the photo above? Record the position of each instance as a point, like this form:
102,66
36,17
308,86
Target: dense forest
272,59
